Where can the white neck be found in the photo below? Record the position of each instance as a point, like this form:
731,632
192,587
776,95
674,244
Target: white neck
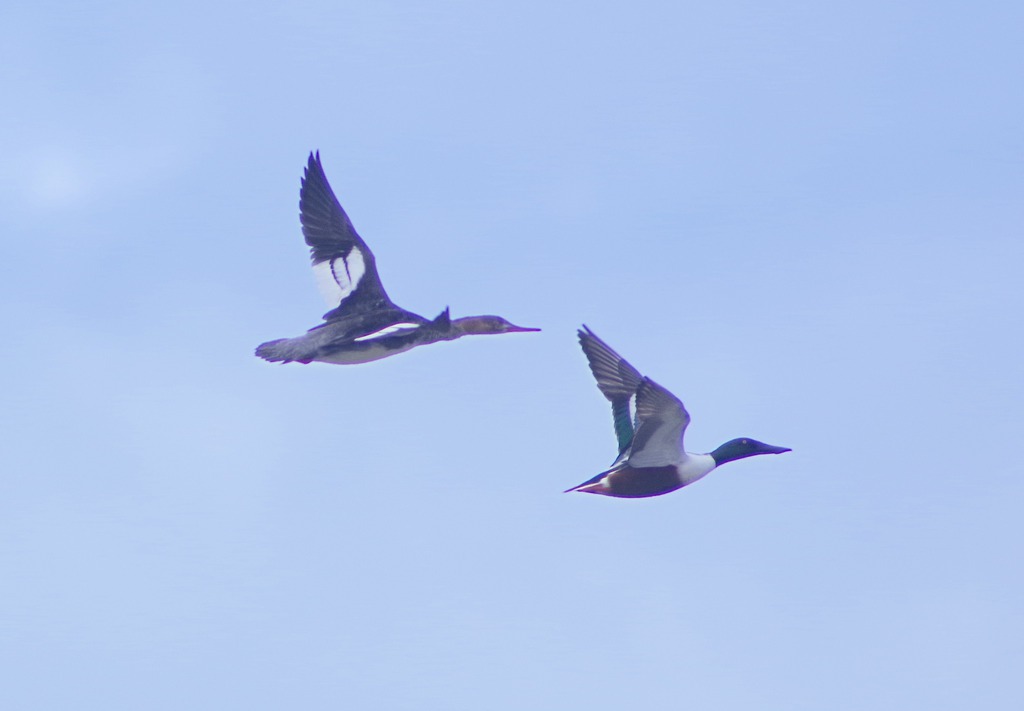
695,466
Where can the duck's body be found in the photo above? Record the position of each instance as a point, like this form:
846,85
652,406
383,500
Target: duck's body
364,324
360,338
652,460
629,482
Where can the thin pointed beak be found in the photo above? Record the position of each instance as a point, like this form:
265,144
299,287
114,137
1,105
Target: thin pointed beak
521,329
777,450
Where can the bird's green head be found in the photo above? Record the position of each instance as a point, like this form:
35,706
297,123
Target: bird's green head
743,447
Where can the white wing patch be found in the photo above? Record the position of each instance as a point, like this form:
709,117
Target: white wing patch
337,278
386,331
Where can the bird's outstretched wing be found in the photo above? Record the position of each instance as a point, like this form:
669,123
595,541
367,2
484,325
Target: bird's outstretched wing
344,267
617,380
661,421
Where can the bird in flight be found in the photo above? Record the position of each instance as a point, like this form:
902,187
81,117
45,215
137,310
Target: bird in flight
363,324
651,460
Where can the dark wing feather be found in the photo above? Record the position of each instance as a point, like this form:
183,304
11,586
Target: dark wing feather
337,251
344,330
616,379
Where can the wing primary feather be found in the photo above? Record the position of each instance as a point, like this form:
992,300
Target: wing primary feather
338,253
616,379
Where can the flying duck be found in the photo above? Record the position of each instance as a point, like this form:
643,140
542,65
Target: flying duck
651,458
363,325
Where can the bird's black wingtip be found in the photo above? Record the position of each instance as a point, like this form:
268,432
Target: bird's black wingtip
313,163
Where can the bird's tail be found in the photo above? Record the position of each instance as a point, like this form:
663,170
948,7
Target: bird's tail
283,350
593,485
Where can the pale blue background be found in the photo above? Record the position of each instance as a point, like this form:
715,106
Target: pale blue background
804,218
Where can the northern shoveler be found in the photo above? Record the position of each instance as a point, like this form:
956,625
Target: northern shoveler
652,460
364,324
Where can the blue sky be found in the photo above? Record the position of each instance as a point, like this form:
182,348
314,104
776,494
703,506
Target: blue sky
804,220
